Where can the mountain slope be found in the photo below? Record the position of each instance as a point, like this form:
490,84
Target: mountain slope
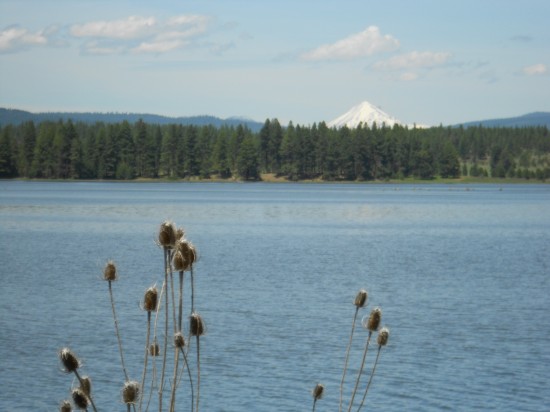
365,113
16,117
530,119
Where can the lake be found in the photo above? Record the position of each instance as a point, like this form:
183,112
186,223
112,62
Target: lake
461,272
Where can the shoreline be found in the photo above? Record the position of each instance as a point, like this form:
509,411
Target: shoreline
272,179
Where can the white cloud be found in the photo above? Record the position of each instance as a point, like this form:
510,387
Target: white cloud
130,28
159,46
17,38
141,34
414,60
365,43
535,70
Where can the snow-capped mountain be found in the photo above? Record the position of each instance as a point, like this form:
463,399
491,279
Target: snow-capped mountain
365,113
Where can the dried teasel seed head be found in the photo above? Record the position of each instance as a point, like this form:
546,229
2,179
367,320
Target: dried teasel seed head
109,272
361,298
69,361
318,391
372,322
196,325
167,234
383,336
65,406
180,233
150,299
80,399
130,392
179,263
179,340
86,385
154,349
188,254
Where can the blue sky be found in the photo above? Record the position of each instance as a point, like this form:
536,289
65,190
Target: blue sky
426,61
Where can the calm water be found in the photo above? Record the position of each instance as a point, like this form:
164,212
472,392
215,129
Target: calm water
462,274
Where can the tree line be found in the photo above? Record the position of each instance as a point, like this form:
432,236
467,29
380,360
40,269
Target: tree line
67,150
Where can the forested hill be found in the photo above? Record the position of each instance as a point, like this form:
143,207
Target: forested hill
527,120
78,150
16,117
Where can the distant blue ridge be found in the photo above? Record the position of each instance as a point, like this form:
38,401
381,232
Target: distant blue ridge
16,117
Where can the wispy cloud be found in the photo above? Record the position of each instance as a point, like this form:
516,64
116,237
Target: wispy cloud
141,34
368,42
535,70
15,38
130,28
414,60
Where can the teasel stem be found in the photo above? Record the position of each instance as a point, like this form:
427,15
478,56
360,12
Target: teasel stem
154,374
162,292
382,340
173,300
146,358
82,384
178,340
372,322
359,302
197,328
164,287
198,371
360,371
190,378
370,378
347,357
192,291
181,273
118,332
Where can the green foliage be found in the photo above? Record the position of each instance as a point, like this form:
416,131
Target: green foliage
67,150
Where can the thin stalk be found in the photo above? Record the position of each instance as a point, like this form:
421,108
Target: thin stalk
198,372
190,378
155,340
89,395
360,372
180,300
118,333
153,378
347,357
173,300
175,382
165,285
192,291
370,379
145,361
314,403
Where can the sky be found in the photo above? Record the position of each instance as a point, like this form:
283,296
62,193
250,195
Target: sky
428,62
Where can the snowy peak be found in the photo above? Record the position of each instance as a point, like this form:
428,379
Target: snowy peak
365,113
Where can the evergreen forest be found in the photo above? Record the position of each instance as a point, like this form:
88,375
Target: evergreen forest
68,150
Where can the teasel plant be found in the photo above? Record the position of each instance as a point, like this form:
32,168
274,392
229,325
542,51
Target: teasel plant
371,323
317,394
179,255
359,302
110,275
382,340
166,239
82,396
